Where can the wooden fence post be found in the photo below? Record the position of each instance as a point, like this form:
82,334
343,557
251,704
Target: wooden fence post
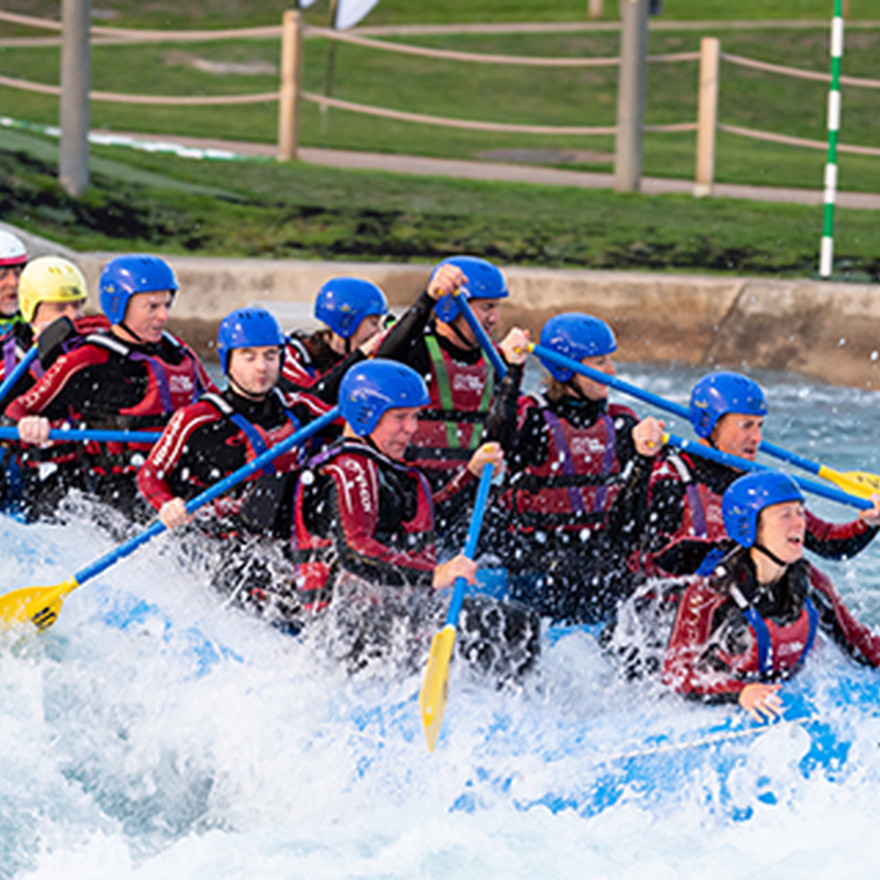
288,97
707,115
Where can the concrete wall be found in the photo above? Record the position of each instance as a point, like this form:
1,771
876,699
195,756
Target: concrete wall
823,329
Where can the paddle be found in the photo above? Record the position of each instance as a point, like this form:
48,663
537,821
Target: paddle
435,686
76,434
42,605
20,369
482,336
858,483
744,464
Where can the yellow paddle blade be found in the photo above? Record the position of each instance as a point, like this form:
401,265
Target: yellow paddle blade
37,605
435,686
858,483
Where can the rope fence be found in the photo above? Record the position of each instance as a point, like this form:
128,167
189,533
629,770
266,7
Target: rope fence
290,93
797,72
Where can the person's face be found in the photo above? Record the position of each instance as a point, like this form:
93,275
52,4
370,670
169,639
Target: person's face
9,276
486,313
781,529
367,329
591,389
738,434
255,371
47,313
395,430
147,314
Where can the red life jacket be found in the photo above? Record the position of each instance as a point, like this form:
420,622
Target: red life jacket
169,387
451,427
577,482
257,438
314,563
775,650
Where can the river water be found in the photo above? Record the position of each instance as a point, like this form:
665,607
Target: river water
153,733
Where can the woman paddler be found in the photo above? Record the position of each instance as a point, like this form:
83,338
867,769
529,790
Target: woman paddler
363,533
754,621
210,439
566,451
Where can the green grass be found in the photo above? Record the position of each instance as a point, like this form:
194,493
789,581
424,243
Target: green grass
294,211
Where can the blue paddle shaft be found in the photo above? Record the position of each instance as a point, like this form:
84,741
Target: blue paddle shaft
482,337
669,406
76,434
548,354
203,498
744,464
470,547
20,369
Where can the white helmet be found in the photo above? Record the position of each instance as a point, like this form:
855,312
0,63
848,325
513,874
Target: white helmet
12,250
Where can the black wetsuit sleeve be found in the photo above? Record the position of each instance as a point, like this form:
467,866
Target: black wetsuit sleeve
327,387
402,340
626,447
500,425
631,525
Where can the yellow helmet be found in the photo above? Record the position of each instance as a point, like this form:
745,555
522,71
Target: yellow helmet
49,279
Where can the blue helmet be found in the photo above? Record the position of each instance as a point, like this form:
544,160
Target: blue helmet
747,496
717,394
484,281
123,277
247,328
342,303
577,336
369,389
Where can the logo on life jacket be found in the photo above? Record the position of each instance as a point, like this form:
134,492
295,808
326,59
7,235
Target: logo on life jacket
468,382
180,384
587,446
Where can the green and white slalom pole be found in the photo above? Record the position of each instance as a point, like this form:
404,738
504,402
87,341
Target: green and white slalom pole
826,257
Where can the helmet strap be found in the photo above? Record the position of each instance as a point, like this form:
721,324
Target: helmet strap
453,326
243,392
131,332
769,554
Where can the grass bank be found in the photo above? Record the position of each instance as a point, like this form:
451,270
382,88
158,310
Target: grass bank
143,202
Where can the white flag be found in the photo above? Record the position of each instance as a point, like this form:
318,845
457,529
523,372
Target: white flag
350,12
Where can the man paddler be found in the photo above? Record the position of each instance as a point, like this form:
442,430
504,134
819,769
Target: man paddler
133,376
363,534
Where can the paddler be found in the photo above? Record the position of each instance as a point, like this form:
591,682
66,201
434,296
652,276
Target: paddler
51,293
210,439
352,310
434,338
363,521
567,451
132,377
754,620
670,512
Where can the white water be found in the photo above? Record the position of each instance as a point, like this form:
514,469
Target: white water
198,743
